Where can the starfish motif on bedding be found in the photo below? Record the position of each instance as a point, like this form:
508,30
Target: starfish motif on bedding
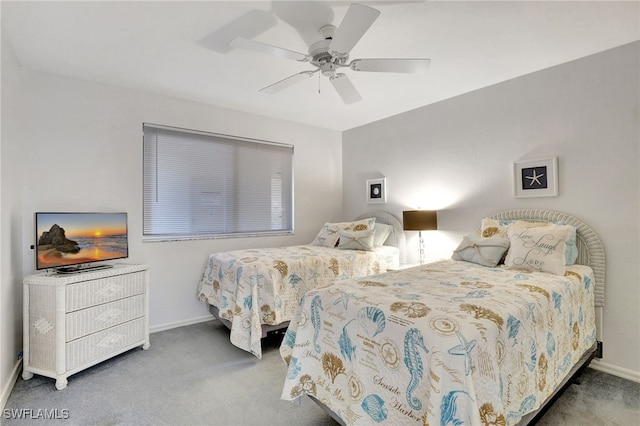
464,349
345,298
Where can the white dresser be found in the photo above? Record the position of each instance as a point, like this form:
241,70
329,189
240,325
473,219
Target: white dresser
72,322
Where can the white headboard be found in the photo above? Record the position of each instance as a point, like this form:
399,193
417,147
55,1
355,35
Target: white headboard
590,247
397,237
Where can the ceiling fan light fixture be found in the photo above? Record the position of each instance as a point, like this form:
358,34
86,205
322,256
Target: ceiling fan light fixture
328,69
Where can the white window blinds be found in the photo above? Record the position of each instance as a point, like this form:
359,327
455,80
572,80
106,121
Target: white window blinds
202,185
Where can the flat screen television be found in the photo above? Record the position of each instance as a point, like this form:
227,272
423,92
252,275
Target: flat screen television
72,242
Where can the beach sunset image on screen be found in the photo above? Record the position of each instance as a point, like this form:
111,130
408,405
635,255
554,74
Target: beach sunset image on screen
65,239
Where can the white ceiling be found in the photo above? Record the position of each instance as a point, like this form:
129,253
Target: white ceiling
180,49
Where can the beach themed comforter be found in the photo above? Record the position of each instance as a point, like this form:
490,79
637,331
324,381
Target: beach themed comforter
448,343
263,286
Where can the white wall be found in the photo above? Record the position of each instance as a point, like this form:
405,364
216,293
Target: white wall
71,145
10,264
456,156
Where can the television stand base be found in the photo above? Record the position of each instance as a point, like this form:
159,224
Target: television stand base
80,269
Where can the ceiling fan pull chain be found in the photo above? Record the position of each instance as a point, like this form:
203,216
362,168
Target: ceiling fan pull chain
318,83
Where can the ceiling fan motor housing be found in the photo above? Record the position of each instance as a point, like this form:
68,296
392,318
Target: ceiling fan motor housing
321,55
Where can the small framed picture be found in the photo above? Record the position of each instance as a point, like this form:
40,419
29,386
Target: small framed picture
536,178
377,190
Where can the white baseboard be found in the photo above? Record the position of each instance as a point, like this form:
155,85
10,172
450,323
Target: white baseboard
8,386
169,326
634,376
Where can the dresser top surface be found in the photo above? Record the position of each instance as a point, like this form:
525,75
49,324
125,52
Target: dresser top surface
57,279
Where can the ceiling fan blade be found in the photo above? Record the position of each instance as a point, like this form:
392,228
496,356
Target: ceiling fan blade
268,49
345,88
412,66
355,23
289,81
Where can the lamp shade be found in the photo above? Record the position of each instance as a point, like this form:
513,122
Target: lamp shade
419,220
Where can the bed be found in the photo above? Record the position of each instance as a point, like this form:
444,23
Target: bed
256,291
458,341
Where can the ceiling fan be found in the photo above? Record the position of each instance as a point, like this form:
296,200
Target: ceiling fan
332,53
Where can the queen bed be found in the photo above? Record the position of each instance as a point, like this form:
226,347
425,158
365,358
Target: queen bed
257,291
467,340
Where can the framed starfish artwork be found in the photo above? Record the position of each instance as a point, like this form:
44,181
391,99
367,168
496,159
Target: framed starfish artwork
536,178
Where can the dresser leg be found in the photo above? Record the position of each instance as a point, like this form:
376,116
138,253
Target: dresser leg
26,375
61,383
146,345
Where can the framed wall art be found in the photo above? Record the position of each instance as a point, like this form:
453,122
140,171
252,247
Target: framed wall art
536,178
377,191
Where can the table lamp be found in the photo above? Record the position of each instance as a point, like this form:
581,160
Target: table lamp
420,220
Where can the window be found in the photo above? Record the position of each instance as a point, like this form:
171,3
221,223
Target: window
206,185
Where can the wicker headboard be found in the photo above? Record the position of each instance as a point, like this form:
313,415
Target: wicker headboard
590,247
397,237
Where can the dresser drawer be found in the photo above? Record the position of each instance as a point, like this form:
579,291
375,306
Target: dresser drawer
90,293
87,321
105,343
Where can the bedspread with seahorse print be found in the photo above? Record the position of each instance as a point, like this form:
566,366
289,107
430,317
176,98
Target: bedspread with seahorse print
263,286
448,343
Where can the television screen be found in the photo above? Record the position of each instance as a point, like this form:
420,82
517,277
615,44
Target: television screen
67,240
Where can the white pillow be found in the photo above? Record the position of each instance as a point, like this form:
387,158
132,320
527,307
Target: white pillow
328,235
483,251
492,228
382,232
356,240
540,249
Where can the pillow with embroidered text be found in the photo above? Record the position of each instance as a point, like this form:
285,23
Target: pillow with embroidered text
539,249
499,228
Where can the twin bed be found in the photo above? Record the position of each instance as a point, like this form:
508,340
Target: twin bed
491,336
457,341
257,291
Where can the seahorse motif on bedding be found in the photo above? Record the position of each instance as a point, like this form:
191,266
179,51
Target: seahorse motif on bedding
211,270
316,307
238,275
347,348
413,342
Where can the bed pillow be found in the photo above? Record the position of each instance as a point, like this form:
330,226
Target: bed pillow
382,232
499,228
328,235
356,240
483,251
540,248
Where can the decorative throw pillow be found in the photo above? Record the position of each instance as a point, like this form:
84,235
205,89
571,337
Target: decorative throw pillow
499,228
540,249
382,232
483,251
328,235
356,240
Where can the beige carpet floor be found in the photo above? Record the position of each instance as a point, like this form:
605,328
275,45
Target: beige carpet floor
193,376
